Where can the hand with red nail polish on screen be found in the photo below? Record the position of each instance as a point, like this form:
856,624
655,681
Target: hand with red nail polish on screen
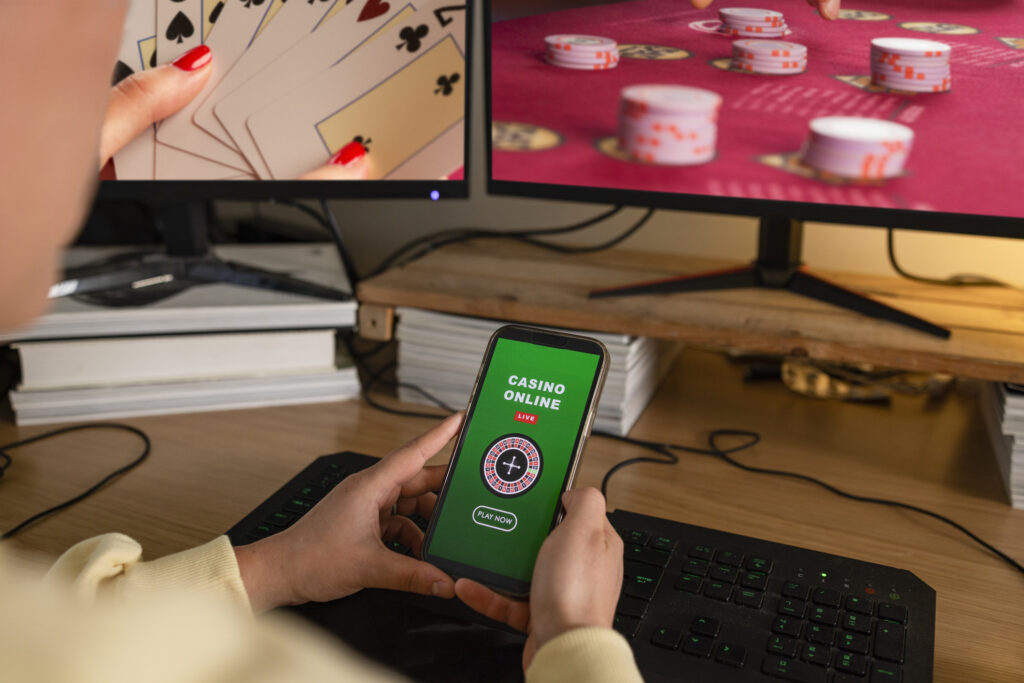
829,9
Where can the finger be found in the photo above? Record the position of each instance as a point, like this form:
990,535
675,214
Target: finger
405,531
428,479
404,573
402,465
145,98
584,504
701,4
514,613
357,170
829,8
421,505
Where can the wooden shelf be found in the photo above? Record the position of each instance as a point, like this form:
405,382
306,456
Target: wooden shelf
507,280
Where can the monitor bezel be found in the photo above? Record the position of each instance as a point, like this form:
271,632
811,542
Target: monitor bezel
962,223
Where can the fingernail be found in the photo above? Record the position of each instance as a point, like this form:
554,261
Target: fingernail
351,152
194,59
437,587
832,9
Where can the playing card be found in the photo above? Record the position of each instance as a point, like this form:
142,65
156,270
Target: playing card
396,102
352,25
174,164
292,22
236,27
138,43
179,25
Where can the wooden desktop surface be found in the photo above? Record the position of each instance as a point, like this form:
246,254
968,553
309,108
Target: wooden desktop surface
208,470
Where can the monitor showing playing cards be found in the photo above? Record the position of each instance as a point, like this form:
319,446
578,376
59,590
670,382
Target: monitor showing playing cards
297,87
897,112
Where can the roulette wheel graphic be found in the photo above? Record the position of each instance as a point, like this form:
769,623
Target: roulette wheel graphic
511,465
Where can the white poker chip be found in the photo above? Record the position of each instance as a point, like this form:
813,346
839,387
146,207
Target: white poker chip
750,14
679,99
579,43
911,47
770,48
859,129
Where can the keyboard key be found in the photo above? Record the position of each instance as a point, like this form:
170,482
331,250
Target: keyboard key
637,553
663,543
889,641
827,596
636,537
897,613
264,530
847,678
860,605
325,481
694,566
697,645
792,608
884,672
818,633
783,646
824,615
729,557
786,626
793,670
758,564
688,582
857,622
313,493
642,585
705,626
793,589
816,654
299,506
722,572
748,597
700,552
854,642
397,547
631,607
631,568
280,519
755,580
666,637
627,626
847,662
718,590
732,655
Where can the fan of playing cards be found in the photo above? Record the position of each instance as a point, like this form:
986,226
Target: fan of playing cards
294,82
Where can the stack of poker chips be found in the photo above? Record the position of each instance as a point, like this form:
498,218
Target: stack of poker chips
910,64
856,147
668,124
587,53
752,23
769,56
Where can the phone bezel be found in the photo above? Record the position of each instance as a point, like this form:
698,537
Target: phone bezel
541,337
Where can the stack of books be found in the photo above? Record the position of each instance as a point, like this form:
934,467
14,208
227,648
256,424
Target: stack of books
1002,408
211,347
441,353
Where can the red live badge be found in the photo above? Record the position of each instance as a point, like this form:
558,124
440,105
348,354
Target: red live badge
526,417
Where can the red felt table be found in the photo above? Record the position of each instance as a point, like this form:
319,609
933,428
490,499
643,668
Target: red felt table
555,125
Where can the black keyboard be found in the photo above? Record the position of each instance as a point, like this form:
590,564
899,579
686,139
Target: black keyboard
697,605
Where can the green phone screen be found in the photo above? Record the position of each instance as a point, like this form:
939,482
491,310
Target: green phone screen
513,461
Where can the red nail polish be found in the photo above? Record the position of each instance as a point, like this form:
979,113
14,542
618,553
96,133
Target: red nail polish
194,59
349,153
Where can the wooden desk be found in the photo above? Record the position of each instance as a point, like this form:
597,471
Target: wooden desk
208,470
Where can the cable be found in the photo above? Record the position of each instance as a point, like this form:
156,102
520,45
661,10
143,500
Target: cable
964,280
92,489
328,221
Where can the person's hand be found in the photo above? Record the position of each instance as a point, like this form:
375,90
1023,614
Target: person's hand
337,548
829,9
576,580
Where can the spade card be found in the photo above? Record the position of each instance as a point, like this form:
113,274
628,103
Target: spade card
179,28
138,42
404,92
291,23
235,29
352,25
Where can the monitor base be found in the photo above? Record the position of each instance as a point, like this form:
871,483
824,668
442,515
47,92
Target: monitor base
778,266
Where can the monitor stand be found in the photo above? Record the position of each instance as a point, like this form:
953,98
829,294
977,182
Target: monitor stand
778,266
141,278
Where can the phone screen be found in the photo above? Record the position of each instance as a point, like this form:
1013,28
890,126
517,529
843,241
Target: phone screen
511,465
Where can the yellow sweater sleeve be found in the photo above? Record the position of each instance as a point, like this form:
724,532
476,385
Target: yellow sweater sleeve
595,655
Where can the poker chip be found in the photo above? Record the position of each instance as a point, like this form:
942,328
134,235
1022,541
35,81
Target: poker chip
585,53
857,147
911,64
752,22
769,56
668,124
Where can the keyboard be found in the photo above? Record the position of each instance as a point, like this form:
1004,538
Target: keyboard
697,605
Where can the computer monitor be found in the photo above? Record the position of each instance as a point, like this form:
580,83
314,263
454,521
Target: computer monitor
290,86
772,112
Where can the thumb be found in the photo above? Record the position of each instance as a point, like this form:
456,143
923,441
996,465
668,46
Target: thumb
145,98
404,573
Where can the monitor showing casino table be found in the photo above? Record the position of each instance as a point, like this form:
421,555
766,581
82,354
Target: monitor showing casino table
557,117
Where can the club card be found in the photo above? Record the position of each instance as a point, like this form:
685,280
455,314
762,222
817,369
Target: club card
179,28
211,13
291,23
138,43
395,105
174,164
344,32
235,29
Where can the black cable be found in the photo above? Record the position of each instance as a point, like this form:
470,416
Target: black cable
952,281
330,224
92,489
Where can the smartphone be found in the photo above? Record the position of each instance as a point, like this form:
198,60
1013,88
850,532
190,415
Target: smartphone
528,418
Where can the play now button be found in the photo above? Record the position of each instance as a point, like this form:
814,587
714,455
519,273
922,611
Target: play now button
494,518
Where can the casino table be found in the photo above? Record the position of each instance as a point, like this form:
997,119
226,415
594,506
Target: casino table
558,126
